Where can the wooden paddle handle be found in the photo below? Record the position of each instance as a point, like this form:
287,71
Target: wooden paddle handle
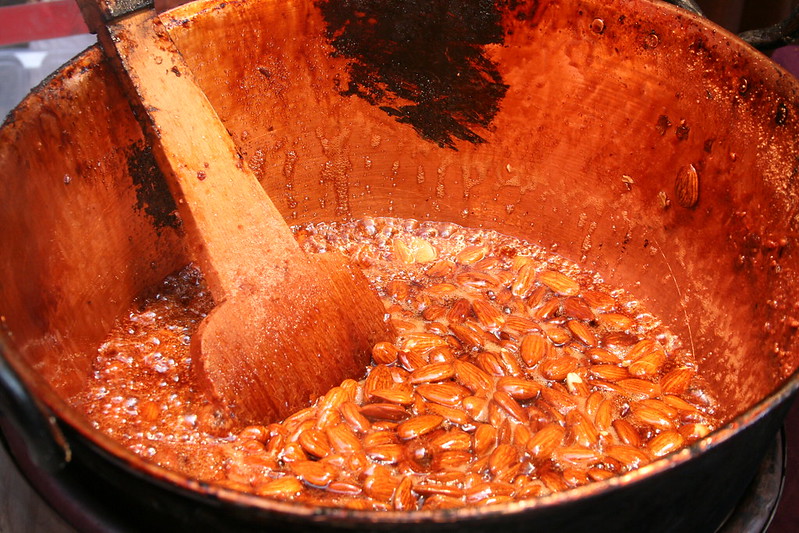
238,230
99,13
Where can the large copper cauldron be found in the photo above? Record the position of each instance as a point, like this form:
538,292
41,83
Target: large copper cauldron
627,134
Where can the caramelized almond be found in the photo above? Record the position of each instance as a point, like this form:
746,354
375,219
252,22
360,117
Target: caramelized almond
524,284
314,473
348,487
582,429
502,458
639,388
385,453
545,440
470,335
665,443
489,316
576,386
556,334
410,361
511,406
456,416
534,348
432,372
314,442
343,439
553,481
404,499
432,489
490,363
576,455
677,381
650,416
454,439
284,487
605,415
446,393
576,308
545,310
509,361
615,321
602,356
421,342
592,402
398,396
599,300
522,435
520,324
451,460
560,401
441,268
582,332
351,415
629,456
558,368
485,439
477,408
649,365
559,282
471,254
518,388
418,425
627,433
459,311
484,491
384,353
442,501
694,431
379,377
640,349
384,411
380,487
472,377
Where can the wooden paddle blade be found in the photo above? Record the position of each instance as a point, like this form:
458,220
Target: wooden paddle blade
264,355
288,327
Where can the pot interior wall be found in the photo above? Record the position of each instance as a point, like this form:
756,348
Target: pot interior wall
576,124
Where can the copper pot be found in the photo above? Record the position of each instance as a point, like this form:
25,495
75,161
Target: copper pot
631,136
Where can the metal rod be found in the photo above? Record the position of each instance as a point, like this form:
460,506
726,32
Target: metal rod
690,5
780,34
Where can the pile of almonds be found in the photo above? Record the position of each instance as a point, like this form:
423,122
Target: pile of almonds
515,374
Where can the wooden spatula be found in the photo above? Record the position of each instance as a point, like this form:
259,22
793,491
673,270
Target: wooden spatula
287,326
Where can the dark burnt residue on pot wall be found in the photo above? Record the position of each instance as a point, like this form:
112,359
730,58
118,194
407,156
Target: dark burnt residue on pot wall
152,193
422,61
